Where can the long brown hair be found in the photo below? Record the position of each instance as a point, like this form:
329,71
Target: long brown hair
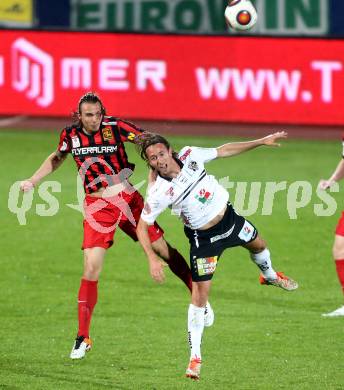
147,139
89,97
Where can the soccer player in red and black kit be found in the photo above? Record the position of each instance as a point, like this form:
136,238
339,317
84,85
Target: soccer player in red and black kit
338,245
96,142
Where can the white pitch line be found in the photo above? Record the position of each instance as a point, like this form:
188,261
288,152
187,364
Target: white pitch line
8,122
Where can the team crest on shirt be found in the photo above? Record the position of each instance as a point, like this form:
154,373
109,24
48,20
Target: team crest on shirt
193,165
75,142
107,133
204,196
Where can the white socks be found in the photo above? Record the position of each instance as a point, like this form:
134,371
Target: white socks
195,329
263,261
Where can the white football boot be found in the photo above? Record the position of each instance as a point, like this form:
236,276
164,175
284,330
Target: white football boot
80,347
336,313
209,315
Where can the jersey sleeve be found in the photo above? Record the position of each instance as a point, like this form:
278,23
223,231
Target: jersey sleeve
64,144
204,154
128,131
154,206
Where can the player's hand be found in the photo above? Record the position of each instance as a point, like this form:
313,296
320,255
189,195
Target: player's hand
156,268
325,184
26,185
270,140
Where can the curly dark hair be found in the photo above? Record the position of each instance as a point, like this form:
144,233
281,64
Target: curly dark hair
88,97
147,139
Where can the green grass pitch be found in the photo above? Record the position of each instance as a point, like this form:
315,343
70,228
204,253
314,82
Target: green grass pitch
263,338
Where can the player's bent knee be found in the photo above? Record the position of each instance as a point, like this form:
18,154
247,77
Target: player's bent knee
199,301
91,273
200,292
262,244
92,269
257,245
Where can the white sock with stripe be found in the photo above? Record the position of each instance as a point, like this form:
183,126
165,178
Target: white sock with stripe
263,262
195,329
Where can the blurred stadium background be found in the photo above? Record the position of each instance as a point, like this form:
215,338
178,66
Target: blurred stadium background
173,67
175,61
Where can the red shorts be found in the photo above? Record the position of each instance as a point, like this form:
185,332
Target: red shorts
340,226
103,215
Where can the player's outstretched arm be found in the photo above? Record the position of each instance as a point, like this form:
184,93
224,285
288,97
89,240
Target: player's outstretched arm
234,148
51,163
337,175
155,265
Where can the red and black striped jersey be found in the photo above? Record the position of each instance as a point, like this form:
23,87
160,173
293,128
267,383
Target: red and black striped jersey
101,155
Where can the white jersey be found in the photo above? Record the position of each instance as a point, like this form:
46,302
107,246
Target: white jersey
193,195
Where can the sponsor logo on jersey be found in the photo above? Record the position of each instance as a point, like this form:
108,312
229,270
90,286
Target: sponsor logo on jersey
131,136
204,196
75,142
170,192
89,150
246,232
107,133
206,265
193,165
183,157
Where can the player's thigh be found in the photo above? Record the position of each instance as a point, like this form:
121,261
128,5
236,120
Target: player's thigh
135,203
203,261
99,225
155,233
338,247
94,259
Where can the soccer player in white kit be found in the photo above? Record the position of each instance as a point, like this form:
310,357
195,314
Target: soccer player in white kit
210,222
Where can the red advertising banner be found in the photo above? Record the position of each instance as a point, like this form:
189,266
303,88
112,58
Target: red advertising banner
227,79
